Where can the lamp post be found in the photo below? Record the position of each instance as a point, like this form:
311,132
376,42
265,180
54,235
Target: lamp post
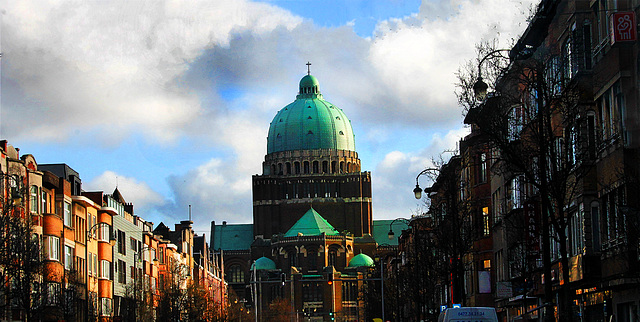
417,192
480,87
88,236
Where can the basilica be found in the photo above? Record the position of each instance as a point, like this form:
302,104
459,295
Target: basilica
313,240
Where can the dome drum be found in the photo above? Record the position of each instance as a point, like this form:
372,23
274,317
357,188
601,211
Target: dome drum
305,162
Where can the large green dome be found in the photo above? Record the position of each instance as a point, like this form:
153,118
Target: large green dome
310,123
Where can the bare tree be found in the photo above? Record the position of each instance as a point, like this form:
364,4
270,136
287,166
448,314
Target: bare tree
536,122
21,260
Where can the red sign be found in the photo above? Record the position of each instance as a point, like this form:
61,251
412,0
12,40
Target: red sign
623,27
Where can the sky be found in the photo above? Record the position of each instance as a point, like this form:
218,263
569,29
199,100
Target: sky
171,101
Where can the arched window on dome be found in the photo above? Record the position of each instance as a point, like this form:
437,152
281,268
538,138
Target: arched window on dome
296,167
316,168
333,166
341,133
306,167
325,166
288,166
338,118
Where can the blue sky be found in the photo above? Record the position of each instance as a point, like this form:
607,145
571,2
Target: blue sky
171,100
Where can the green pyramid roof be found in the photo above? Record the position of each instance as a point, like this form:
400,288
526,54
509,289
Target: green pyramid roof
311,224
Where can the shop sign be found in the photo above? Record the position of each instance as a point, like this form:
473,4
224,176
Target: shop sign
623,27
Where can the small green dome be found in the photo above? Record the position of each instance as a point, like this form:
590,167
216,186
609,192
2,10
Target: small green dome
310,123
309,81
361,260
263,263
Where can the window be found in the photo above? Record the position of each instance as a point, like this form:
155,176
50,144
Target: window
105,306
516,121
52,247
591,128
105,269
613,221
122,271
237,274
515,192
482,168
68,219
105,232
332,258
44,202
496,203
576,243
306,167
312,258
52,296
486,224
33,199
68,258
90,264
122,242
133,244
293,259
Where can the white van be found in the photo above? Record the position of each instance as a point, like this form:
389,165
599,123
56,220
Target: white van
469,314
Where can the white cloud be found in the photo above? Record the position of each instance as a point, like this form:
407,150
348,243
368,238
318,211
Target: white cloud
216,191
70,66
133,191
394,177
217,72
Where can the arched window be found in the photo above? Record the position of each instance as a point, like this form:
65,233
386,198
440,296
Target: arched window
288,164
325,166
341,166
296,167
306,167
293,262
333,166
316,167
312,259
236,274
333,256
280,168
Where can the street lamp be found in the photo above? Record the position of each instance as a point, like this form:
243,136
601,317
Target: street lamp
417,192
391,233
480,87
